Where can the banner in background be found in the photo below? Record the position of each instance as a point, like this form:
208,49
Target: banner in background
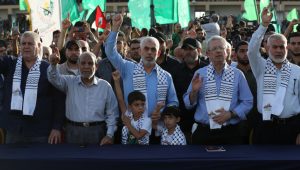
45,17
140,13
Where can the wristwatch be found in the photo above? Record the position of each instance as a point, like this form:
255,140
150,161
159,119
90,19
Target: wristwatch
233,114
110,135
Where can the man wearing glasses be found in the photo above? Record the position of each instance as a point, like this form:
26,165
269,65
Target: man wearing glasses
221,96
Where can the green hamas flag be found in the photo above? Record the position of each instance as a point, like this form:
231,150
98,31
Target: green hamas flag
140,13
293,14
70,6
23,5
165,11
79,12
89,6
184,13
250,13
275,22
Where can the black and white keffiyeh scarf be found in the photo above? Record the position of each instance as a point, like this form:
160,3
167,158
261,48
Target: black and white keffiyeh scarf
273,96
28,103
226,88
128,138
177,138
270,76
212,99
139,81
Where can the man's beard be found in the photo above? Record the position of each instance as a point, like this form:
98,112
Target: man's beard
72,61
190,60
148,63
277,60
295,54
243,62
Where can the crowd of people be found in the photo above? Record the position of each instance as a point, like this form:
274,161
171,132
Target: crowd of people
210,83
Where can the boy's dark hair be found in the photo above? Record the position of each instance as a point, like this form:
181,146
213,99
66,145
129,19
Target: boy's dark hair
134,96
171,110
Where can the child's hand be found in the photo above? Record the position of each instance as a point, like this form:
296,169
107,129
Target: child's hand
126,120
156,113
116,75
105,34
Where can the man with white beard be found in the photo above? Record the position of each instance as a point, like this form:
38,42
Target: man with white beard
278,85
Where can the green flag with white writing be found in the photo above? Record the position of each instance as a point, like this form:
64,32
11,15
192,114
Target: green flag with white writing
140,13
23,5
250,13
166,11
184,16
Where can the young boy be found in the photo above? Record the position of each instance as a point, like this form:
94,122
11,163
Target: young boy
171,133
137,126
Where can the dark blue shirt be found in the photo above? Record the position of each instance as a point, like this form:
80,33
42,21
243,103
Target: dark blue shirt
49,110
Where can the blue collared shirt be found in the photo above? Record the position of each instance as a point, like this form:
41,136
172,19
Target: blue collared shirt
96,102
241,102
126,69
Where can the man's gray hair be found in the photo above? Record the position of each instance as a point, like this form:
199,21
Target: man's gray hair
277,37
214,38
36,38
88,54
147,39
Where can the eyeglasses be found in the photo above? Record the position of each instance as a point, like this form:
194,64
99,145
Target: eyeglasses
218,48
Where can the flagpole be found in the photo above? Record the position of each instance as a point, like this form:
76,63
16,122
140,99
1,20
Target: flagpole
257,14
152,13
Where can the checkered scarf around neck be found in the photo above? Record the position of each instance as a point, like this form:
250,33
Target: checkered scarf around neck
226,89
128,138
139,81
27,103
177,138
270,76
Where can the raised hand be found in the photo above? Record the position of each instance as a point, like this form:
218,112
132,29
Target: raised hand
87,28
126,120
116,75
105,34
196,83
55,56
117,22
156,113
266,16
66,23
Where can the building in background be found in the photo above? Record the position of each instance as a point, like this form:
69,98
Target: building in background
10,15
